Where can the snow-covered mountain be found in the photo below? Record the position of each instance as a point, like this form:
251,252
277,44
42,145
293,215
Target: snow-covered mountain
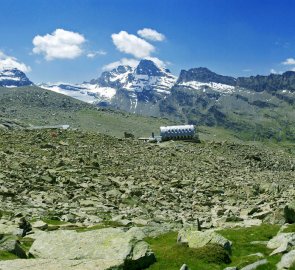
122,85
13,78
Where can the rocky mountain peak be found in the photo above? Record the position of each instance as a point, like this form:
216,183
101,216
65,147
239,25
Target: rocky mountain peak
13,78
205,75
148,67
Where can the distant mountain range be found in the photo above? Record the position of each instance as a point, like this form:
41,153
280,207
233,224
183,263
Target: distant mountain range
256,105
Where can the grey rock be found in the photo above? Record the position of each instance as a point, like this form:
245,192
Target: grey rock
10,229
184,267
281,243
41,225
103,244
287,261
255,265
196,239
11,244
52,264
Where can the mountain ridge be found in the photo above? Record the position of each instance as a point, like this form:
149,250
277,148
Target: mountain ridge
262,105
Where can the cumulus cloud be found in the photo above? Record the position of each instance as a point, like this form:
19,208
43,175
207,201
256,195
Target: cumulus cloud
137,47
7,62
132,44
273,71
61,44
289,61
151,34
95,53
122,62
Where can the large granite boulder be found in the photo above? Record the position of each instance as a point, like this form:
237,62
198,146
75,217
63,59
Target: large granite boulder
196,239
110,244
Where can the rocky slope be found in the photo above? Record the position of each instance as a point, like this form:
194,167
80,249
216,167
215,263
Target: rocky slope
13,78
91,178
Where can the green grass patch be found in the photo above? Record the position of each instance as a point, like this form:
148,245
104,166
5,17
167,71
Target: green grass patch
290,228
5,255
26,243
171,255
242,247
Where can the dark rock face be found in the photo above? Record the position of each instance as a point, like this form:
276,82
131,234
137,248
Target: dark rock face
205,75
13,78
269,83
257,83
148,67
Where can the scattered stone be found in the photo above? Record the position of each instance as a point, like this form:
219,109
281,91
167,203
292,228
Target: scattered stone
10,229
184,267
255,265
41,225
287,261
196,239
11,244
52,264
281,243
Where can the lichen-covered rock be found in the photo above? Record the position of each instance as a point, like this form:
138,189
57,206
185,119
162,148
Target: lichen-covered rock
196,239
103,244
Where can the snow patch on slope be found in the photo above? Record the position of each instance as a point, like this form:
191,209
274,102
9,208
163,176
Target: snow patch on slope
219,87
86,92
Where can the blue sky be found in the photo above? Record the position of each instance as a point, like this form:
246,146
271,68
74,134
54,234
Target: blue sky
230,37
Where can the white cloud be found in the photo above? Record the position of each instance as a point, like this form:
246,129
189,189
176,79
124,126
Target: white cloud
122,62
273,71
151,34
7,62
289,61
61,44
157,61
95,53
132,44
